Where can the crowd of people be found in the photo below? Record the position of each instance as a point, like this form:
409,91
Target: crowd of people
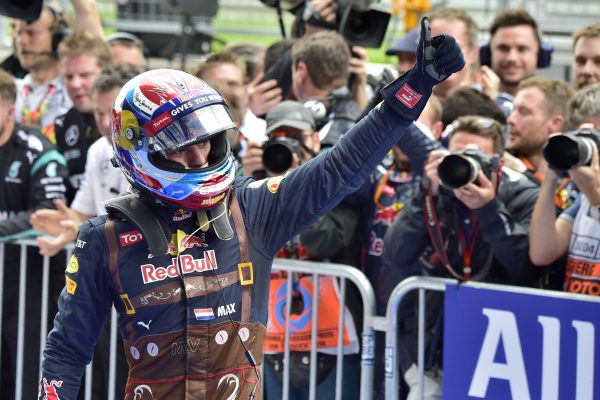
177,190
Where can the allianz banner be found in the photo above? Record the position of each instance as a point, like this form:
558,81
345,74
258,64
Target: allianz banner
504,345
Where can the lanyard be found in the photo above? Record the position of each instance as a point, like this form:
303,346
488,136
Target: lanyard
467,249
33,117
435,233
559,199
538,177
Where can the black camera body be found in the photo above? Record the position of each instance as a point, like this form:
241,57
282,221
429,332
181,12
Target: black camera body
571,149
357,21
29,10
460,168
278,153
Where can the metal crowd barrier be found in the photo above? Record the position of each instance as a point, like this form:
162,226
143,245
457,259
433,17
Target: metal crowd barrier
115,339
549,387
343,272
392,370
317,269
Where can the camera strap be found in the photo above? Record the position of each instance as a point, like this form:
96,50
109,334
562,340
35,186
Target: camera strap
437,240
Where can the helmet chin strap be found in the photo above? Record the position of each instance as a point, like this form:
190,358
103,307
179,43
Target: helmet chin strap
220,221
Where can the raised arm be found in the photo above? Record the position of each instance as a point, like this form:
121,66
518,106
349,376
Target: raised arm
87,18
548,235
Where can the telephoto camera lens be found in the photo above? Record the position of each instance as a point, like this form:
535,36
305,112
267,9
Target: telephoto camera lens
568,150
278,154
456,171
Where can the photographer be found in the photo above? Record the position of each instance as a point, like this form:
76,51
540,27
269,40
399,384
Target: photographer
481,227
292,140
578,227
314,17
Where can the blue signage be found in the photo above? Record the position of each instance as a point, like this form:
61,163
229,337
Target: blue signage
505,345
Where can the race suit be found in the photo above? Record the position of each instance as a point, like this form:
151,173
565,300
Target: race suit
176,322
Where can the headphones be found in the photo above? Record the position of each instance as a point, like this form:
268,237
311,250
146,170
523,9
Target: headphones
543,61
544,57
60,27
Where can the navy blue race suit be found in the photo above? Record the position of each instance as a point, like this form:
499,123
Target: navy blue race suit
176,329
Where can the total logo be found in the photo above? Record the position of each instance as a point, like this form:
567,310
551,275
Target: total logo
188,264
129,238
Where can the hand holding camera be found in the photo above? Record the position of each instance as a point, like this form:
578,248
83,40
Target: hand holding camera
577,153
571,149
470,174
477,194
274,157
462,167
252,159
431,169
587,178
280,154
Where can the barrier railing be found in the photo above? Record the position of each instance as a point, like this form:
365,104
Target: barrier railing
343,272
542,305
45,318
490,314
318,269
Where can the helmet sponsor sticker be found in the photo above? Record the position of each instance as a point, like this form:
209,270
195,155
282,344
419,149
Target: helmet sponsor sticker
73,265
213,200
158,123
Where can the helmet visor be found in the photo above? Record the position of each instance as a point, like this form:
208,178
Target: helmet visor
197,126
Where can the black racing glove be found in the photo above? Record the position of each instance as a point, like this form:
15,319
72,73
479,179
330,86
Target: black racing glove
437,59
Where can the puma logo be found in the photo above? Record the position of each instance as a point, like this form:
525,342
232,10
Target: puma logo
147,326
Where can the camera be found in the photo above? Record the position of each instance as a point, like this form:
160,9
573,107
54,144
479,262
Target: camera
278,153
462,167
571,149
357,21
29,10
